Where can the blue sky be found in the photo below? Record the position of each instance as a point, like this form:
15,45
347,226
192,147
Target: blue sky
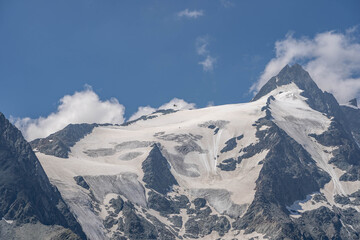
145,53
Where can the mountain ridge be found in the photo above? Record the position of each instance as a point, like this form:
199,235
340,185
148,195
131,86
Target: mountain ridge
26,193
273,168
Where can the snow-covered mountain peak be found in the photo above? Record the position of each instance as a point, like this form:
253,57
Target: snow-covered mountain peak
232,171
289,74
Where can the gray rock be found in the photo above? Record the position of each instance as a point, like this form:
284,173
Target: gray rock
341,199
228,164
135,226
58,144
37,230
81,182
230,145
347,155
117,204
179,138
288,174
176,221
187,147
319,197
353,102
161,204
214,124
222,225
109,222
353,118
199,203
144,118
164,232
181,201
203,224
157,174
26,194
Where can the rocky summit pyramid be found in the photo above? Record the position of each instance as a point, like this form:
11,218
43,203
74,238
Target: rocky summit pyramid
284,166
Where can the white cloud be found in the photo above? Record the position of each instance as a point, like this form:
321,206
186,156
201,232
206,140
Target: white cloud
331,58
191,14
142,111
208,63
81,107
202,44
175,103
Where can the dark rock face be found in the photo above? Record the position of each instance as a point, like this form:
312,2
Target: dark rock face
58,144
325,223
81,182
176,221
353,102
146,117
162,230
199,203
135,226
350,200
26,194
157,174
201,222
347,154
166,205
228,165
353,118
230,145
166,111
117,204
288,173
342,199
189,146
161,204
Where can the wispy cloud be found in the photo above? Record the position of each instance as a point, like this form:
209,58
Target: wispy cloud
81,107
175,103
227,3
208,63
190,14
331,58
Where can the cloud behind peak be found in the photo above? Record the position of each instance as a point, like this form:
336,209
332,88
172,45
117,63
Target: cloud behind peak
81,107
332,59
